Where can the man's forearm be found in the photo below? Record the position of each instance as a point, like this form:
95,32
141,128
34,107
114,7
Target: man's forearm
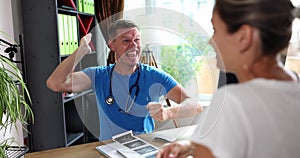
63,70
61,79
187,108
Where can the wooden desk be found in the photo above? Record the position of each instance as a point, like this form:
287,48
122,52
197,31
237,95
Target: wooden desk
89,150
78,151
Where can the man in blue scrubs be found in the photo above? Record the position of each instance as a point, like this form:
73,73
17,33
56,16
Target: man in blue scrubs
127,92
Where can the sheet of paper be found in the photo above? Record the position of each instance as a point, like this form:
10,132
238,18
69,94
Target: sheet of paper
128,145
110,150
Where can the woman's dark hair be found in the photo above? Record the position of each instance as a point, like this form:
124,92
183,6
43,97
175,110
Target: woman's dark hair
273,19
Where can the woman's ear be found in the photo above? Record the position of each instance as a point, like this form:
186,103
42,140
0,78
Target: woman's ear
111,45
245,37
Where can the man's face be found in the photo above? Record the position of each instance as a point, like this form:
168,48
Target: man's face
127,46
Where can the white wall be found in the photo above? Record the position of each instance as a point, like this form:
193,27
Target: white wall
6,20
10,28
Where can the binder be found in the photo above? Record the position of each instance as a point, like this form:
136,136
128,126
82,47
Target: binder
75,33
85,6
66,34
61,34
92,7
70,34
80,5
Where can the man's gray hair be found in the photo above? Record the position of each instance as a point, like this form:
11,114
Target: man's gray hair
119,24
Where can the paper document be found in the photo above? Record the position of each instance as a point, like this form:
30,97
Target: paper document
128,145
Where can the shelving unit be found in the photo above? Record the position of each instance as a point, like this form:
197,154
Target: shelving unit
59,119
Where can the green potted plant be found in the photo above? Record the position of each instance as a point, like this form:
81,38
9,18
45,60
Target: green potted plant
14,101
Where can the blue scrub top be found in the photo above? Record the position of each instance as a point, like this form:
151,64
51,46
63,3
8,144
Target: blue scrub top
153,83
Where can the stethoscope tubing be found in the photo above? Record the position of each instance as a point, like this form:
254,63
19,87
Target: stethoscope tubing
110,99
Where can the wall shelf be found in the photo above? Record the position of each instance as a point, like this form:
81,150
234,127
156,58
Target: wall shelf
55,115
73,137
66,98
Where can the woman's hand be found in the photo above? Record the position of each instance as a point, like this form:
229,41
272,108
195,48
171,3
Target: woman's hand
178,149
183,149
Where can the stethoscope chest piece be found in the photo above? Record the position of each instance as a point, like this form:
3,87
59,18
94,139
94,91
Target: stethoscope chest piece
109,100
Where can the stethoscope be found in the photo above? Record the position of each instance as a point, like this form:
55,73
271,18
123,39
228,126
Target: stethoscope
110,99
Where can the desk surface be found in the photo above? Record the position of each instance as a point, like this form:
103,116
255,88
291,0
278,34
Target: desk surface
89,150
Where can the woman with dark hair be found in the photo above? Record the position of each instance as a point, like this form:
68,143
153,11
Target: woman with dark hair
259,116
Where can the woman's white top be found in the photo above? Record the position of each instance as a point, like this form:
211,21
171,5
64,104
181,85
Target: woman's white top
255,119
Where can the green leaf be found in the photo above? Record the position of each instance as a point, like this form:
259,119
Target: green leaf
14,98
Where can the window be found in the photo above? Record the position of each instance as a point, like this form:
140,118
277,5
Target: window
177,32
293,51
